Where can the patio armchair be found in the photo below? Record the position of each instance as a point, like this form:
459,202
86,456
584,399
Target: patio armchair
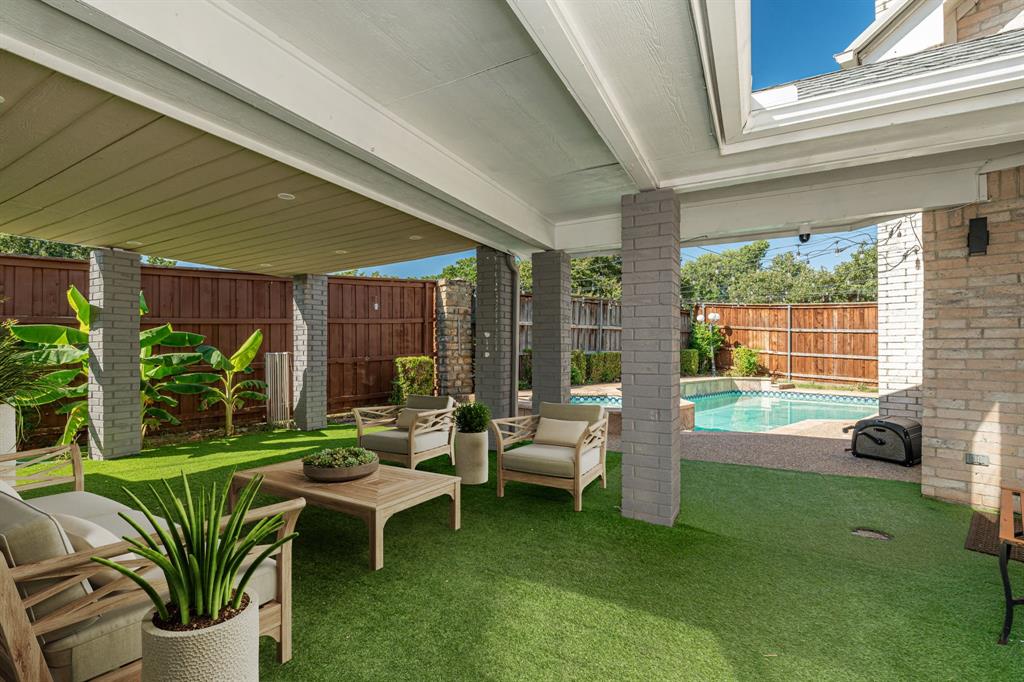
421,429
568,450
74,619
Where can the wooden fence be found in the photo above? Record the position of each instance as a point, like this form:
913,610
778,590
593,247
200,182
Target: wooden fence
835,342
370,321
596,324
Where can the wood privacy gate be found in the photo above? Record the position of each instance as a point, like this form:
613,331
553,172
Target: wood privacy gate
811,341
370,321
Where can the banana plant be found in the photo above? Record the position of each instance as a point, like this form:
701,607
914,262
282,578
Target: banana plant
67,350
224,387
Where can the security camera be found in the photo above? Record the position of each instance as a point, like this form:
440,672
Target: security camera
804,234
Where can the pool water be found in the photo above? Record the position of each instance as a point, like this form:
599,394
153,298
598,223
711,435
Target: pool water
757,411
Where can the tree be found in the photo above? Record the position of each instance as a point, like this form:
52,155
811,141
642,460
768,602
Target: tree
26,246
857,279
710,276
159,260
464,268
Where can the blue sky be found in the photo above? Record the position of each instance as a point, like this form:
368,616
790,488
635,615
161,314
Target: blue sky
791,39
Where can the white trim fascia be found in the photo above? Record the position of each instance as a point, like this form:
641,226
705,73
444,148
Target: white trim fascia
229,50
876,30
1002,163
962,85
553,30
726,52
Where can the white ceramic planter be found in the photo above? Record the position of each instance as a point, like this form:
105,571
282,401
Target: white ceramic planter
226,652
471,457
8,429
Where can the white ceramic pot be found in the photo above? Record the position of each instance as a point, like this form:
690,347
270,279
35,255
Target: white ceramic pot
471,457
226,652
8,429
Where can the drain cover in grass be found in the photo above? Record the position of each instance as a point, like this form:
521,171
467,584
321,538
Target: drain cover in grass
872,534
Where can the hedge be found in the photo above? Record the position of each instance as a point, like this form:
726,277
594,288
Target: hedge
414,375
689,362
604,367
584,368
526,369
578,368
745,362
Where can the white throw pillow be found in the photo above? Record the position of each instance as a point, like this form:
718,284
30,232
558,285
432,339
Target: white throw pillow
8,489
85,535
559,432
406,416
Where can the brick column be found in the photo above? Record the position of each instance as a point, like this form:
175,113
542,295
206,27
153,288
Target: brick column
309,351
114,403
454,338
900,317
495,341
650,356
552,337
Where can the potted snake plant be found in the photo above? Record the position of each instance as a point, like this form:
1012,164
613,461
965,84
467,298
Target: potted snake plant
471,422
208,629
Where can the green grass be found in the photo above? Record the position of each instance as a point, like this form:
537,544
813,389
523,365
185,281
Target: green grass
861,388
760,579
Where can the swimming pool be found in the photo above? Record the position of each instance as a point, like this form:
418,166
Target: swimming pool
755,411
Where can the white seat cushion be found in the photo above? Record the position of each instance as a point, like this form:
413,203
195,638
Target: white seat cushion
78,503
549,460
559,432
88,535
397,441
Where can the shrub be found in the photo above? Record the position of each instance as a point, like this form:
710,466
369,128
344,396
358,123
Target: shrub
414,375
706,339
603,367
339,458
745,362
472,417
526,368
689,362
578,368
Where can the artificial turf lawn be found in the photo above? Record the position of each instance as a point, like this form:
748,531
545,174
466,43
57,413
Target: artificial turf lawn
759,579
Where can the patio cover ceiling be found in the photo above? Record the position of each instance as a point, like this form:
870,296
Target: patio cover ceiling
84,166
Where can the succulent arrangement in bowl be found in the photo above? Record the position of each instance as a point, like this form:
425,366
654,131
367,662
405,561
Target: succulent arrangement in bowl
339,464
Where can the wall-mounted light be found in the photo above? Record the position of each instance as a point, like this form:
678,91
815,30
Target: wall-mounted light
977,236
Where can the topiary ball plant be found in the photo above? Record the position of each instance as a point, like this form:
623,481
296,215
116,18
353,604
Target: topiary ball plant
472,418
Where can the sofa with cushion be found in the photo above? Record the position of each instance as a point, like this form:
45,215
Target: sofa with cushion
421,429
85,617
568,448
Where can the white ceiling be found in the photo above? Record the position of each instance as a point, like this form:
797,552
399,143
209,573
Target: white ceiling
469,75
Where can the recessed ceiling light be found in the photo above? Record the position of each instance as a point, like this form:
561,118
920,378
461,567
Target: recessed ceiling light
286,196
415,237
266,265
341,252
133,242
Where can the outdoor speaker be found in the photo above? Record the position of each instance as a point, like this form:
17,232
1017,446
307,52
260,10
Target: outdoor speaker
977,236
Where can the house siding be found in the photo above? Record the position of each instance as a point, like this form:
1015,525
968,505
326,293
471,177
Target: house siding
974,347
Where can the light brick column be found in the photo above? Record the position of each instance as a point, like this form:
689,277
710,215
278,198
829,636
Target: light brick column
454,332
495,341
309,351
114,403
650,356
900,317
552,335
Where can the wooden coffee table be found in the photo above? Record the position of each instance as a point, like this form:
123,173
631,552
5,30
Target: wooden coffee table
374,499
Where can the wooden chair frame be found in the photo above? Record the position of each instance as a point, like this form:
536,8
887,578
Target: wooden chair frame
1011,503
424,423
518,429
67,571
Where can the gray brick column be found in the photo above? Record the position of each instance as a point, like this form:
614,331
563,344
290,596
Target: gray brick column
114,402
309,351
650,356
495,342
552,337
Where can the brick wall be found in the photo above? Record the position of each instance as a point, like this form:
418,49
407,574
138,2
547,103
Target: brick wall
900,322
455,338
114,402
494,343
987,18
309,351
974,347
552,322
